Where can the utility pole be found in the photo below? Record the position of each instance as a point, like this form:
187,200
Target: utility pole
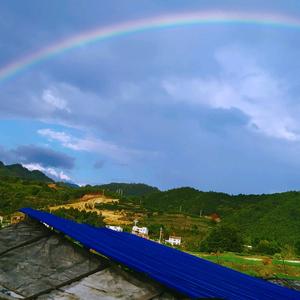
200,214
160,235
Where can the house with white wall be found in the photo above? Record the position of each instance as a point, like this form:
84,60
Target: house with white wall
174,240
115,228
140,231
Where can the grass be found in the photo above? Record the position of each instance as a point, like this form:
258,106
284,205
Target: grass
192,229
265,268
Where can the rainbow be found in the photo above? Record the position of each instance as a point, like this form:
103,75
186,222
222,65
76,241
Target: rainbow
167,21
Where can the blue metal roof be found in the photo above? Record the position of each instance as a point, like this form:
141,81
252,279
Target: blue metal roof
187,274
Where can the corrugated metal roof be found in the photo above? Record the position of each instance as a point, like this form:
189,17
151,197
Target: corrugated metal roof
187,274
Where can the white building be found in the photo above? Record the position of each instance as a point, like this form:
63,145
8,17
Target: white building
139,230
115,228
174,240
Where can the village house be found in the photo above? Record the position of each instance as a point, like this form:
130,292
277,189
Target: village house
115,228
215,218
140,231
174,240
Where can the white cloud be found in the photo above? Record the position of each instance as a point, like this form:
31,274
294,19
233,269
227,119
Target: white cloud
60,136
90,144
51,97
243,85
57,174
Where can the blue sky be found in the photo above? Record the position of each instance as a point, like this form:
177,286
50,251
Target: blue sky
215,107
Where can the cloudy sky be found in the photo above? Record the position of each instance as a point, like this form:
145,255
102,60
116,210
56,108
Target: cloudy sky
213,106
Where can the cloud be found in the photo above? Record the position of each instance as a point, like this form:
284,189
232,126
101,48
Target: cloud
43,156
51,172
43,159
50,97
90,144
243,85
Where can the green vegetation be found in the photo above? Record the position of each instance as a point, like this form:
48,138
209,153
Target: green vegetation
274,217
223,238
192,229
18,171
90,218
129,189
265,267
269,223
16,193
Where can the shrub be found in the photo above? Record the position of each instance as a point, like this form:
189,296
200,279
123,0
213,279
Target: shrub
223,238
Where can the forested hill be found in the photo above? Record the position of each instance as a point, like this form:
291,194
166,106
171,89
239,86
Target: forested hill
129,189
18,171
17,192
267,216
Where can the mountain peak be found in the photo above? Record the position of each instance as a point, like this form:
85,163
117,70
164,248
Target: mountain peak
18,171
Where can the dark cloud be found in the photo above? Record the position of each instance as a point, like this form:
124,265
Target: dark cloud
43,156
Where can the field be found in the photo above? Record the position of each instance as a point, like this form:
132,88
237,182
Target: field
258,266
192,229
89,203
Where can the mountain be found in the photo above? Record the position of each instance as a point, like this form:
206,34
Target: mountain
267,216
274,217
18,171
129,189
68,184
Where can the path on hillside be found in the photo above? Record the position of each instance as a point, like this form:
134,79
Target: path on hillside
88,202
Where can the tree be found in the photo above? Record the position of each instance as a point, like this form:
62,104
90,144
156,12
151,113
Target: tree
267,247
91,218
297,247
223,238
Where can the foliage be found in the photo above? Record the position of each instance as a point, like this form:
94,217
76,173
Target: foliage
90,218
223,238
18,171
16,193
273,217
267,222
256,266
267,247
297,247
129,189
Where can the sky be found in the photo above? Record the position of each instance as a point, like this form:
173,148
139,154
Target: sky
213,106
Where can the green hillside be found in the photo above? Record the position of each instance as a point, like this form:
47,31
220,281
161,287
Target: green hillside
16,193
271,217
18,171
129,189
